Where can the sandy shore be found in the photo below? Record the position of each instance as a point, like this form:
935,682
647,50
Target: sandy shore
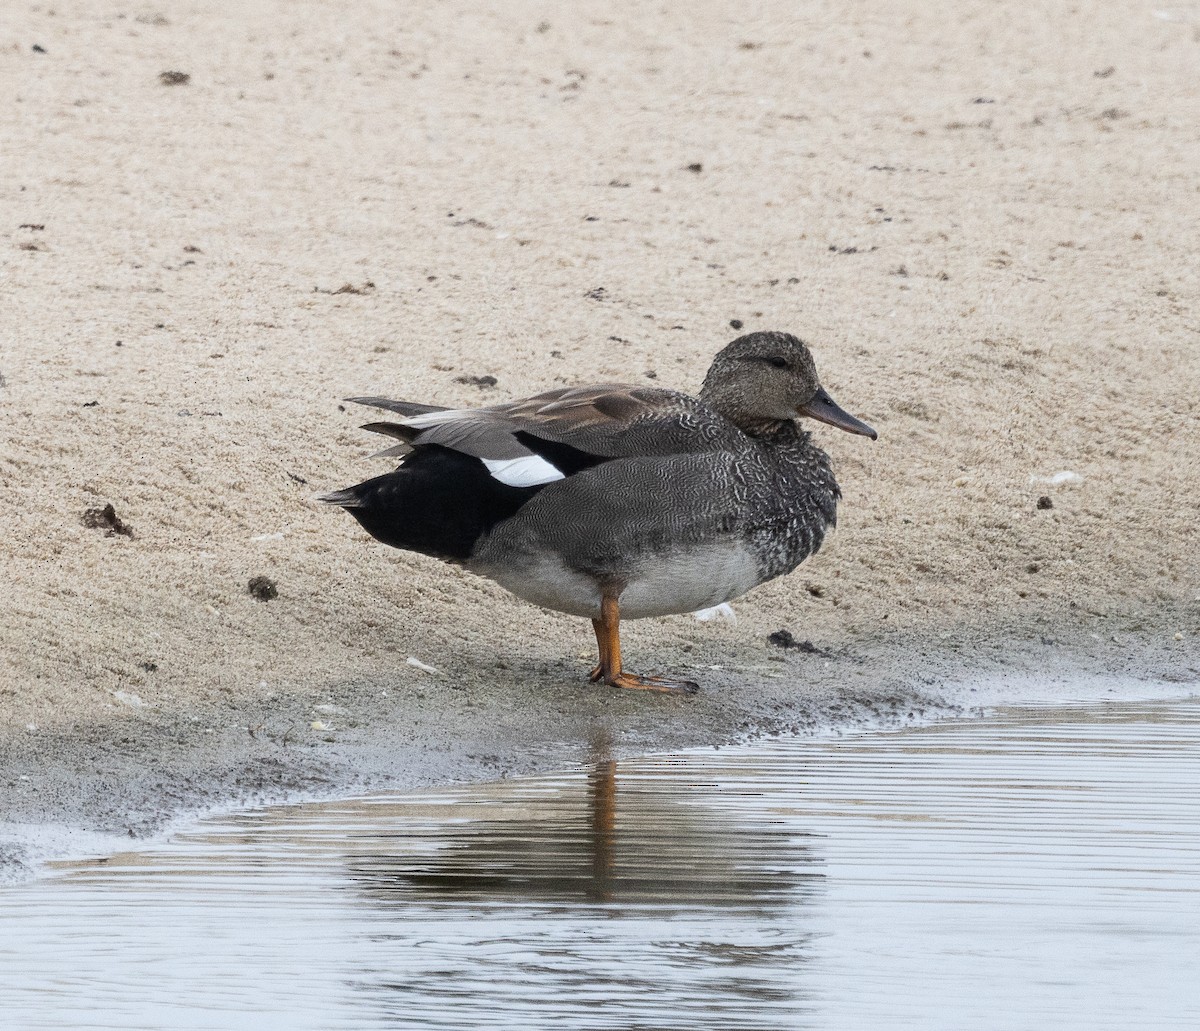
983,220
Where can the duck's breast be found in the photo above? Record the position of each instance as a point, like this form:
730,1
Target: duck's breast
664,583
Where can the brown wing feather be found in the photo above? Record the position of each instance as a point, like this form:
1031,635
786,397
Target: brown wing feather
610,420
615,420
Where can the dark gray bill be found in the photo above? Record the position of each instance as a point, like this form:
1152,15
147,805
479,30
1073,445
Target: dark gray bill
823,408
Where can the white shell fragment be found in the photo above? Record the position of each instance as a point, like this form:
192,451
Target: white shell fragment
129,698
722,611
423,667
1058,479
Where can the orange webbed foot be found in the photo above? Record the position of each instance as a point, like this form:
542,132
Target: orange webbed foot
663,685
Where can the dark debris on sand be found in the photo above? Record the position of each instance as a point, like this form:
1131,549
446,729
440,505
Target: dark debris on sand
348,288
784,639
106,519
482,382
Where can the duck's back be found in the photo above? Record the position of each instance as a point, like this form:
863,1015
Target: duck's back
465,472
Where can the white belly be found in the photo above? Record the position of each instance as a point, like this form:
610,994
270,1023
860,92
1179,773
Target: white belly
684,582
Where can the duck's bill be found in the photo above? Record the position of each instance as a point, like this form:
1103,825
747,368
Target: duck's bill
823,408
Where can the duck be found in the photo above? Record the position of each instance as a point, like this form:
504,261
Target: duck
618,501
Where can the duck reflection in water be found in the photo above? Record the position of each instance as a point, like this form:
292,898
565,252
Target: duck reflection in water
645,839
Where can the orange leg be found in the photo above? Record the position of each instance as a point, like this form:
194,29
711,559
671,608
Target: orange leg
608,638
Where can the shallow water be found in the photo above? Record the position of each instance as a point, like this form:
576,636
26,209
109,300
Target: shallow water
1039,868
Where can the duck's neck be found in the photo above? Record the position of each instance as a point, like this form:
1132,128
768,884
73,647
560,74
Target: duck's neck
728,401
772,431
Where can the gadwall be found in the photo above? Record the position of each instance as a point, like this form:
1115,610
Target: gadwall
616,500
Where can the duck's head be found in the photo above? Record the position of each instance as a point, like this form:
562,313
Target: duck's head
766,378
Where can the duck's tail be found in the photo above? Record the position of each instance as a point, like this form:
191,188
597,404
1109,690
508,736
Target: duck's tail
438,502
348,498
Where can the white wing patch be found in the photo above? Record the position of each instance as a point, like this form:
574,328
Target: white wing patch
527,471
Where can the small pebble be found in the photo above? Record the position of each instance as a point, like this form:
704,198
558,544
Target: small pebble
263,588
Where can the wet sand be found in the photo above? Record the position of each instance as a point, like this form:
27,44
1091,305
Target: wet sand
982,221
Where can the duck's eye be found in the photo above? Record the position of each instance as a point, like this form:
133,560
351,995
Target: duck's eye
778,362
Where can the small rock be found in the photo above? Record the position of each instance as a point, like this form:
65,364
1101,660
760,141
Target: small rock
174,78
37,48
695,167
736,323
1044,503
263,588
